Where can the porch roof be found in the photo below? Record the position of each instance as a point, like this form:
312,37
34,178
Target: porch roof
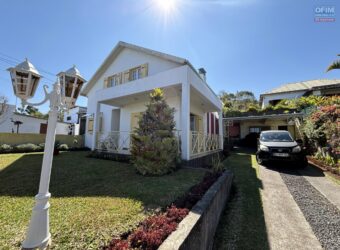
261,117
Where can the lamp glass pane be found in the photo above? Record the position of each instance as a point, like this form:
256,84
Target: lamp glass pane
69,83
22,79
77,90
34,84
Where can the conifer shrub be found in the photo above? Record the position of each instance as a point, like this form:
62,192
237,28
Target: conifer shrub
155,149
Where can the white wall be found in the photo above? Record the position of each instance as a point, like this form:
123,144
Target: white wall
273,124
29,124
73,114
280,96
128,59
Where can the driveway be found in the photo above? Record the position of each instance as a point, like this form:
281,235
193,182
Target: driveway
279,207
301,208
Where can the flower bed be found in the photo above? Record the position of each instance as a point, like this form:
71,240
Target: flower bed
155,229
331,170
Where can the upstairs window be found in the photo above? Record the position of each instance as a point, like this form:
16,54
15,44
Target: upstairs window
115,80
132,74
136,73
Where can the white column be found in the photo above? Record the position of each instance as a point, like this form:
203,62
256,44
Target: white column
220,128
185,121
95,125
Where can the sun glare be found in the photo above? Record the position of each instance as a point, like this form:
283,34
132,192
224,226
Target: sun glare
166,6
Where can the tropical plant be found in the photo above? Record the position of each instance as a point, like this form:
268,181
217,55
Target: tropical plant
241,101
154,146
321,127
217,166
334,65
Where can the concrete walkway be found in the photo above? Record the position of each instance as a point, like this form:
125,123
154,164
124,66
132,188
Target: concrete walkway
325,186
286,225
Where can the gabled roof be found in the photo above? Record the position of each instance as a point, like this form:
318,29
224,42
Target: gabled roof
304,86
115,52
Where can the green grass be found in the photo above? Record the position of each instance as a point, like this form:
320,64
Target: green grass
92,199
242,224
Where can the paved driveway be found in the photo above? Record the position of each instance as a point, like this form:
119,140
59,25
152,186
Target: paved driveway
301,208
278,207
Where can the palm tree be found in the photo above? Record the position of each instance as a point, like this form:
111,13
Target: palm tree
334,65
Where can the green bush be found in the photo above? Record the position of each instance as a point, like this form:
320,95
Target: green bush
155,157
41,146
154,147
24,148
63,147
5,148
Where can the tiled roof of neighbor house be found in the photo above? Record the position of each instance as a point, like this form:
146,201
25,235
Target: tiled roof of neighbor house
304,85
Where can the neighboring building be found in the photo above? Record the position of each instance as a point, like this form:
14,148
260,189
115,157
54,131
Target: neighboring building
239,127
27,124
119,90
324,87
76,117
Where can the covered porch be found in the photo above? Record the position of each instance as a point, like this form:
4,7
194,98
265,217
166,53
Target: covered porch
198,121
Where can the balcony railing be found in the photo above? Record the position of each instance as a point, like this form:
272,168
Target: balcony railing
203,143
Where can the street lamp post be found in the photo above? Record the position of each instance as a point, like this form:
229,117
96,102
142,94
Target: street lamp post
25,79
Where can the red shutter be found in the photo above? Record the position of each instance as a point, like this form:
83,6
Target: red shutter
208,123
216,122
212,119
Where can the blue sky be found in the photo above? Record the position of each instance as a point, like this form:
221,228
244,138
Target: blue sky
251,45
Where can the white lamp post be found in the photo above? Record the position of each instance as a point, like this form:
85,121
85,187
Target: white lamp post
25,80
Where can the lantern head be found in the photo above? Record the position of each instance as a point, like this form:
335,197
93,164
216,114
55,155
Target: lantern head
71,82
25,79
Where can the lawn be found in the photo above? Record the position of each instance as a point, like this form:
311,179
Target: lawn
92,199
242,224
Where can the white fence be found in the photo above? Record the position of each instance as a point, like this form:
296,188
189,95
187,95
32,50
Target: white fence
120,142
202,143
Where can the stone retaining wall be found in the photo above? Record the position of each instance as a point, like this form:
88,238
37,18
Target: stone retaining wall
196,231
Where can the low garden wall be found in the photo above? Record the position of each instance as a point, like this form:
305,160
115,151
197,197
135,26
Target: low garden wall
15,139
196,231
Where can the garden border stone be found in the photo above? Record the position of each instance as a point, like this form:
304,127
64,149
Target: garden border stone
196,231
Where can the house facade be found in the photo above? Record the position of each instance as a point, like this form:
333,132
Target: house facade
322,87
119,91
239,127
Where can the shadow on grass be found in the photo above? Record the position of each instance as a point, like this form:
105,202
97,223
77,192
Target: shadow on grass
242,225
74,174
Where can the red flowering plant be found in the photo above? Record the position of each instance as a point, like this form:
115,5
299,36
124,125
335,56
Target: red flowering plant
322,128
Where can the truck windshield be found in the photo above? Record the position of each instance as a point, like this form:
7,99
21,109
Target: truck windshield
276,136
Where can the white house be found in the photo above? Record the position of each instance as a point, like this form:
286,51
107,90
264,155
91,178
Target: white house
27,124
76,116
323,87
119,90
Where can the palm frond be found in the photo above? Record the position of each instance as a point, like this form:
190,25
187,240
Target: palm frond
334,65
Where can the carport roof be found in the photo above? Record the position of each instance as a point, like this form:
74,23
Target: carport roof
260,117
